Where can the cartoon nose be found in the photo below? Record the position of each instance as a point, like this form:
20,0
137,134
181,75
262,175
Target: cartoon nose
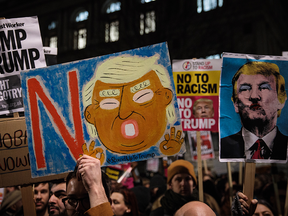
125,108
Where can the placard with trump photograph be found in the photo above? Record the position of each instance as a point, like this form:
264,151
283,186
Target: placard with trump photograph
253,108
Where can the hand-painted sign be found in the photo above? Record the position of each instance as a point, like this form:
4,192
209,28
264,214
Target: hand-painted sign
20,49
118,108
197,89
253,114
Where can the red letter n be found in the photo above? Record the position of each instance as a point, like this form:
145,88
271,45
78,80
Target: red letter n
74,143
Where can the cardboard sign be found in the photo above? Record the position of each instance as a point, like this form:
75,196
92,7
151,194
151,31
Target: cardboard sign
14,154
152,165
197,89
118,108
253,108
207,150
20,49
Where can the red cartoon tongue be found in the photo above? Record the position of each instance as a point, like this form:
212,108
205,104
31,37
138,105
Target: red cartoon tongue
129,129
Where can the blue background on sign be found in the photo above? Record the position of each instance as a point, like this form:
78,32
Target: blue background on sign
54,78
230,122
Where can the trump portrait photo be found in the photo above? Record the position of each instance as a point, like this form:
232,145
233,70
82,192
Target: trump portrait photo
252,108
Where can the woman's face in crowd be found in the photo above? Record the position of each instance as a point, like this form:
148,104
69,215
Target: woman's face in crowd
118,205
262,210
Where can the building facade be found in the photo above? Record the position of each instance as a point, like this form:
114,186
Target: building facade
192,28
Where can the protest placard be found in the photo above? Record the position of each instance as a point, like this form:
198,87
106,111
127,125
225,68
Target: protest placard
14,154
118,108
50,55
207,150
253,125
20,49
197,89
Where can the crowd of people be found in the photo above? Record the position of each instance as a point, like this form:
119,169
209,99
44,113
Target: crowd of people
88,191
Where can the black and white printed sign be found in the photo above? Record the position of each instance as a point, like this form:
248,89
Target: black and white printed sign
21,49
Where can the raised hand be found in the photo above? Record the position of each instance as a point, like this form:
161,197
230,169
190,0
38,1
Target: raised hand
89,170
96,153
171,145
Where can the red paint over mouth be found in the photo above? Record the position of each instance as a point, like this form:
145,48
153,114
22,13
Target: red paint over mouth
255,106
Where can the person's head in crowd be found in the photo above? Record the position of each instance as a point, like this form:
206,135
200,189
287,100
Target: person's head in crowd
124,202
113,184
264,209
268,194
12,203
41,198
157,186
142,195
181,177
77,200
10,189
195,208
57,193
203,108
146,182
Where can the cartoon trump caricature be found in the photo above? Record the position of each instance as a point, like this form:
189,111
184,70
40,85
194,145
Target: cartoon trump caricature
128,105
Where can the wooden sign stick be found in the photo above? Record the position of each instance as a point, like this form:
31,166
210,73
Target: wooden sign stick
276,191
286,202
27,200
205,166
240,180
249,180
199,163
27,193
230,182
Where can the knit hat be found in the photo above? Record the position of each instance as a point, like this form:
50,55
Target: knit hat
181,166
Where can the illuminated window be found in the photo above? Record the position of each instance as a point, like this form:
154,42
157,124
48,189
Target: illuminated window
113,7
146,1
112,31
80,37
111,11
52,25
53,42
51,34
216,56
80,29
83,15
147,22
207,5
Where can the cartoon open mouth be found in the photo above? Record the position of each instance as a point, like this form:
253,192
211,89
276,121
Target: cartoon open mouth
254,106
129,129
